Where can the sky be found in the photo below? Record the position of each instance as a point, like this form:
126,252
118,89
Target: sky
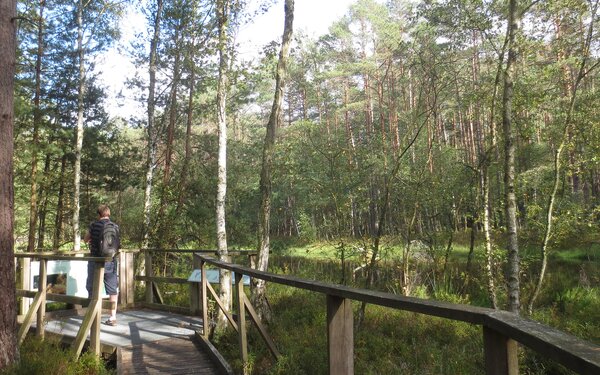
313,17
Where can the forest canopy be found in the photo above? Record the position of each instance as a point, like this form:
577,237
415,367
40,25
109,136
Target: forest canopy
393,125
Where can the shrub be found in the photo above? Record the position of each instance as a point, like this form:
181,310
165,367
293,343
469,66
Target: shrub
48,357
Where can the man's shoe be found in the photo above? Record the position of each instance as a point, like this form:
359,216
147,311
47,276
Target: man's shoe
110,322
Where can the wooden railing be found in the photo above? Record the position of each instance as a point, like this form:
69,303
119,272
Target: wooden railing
153,295
91,320
501,330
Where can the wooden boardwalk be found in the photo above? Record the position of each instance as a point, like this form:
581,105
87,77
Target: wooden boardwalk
148,342
171,356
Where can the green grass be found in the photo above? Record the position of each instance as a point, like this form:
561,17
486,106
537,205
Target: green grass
392,341
48,357
590,253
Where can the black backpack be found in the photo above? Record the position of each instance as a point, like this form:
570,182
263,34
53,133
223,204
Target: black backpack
109,239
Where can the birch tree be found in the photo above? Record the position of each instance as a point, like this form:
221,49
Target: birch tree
568,123
223,14
513,267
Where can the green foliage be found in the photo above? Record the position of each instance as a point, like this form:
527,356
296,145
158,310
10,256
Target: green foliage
49,357
392,341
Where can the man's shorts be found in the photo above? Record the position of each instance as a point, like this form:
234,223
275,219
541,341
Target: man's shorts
111,277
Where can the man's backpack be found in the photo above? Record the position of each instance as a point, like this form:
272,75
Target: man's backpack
109,239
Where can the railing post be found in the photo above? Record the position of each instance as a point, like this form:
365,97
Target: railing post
500,352
91,320
252,260
243,340
42,284
195,289
126,278
340,335
204,300
25,264
149,273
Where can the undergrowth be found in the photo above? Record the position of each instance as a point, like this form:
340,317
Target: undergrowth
396,342
49,357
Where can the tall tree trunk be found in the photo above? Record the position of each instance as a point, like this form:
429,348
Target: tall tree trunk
380,223
489,253
513,268
79,133
9,352
58,220
37,119
275,120
484,177
151,128
557,160
167,238
44,204
172,117
188,136
223,13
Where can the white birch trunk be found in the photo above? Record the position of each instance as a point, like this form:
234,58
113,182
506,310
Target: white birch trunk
225,279
513,272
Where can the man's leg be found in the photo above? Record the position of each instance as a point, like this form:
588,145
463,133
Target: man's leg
113,303
89,282
111,284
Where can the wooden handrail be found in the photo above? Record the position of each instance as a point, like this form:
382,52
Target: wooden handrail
91,320
199,251
243,306
63,256
501,329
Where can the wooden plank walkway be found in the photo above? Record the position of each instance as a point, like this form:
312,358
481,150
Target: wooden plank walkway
148,342
172,356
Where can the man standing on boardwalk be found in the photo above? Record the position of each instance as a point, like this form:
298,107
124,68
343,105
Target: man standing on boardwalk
93,238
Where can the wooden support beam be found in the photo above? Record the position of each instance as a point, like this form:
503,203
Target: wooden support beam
126,278
340,335
92,316
149,273
204,301
501,354
25,265
41,310
29,317
262,329
222,307
95,332
195,290
242,332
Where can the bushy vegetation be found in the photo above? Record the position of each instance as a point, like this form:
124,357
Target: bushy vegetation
49,357
391,341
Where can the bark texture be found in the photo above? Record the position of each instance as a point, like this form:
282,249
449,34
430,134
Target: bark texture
275,120
8,307
223,21
513,270
37,119
79,134
151,128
